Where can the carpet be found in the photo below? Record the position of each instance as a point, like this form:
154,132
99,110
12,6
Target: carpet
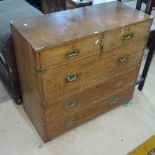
147,148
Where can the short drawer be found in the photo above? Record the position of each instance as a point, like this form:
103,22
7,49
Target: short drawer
72,103
61,80
71,51
122,36
58,127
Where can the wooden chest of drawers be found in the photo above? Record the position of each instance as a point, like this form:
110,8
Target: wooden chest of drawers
76,64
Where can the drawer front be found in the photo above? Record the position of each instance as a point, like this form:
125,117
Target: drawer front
71,52
122,36
64,79
60,126
72,103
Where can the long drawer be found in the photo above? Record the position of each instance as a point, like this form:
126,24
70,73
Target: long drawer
60,126
70,77
92,94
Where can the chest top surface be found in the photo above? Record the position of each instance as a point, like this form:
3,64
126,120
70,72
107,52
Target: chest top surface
57,28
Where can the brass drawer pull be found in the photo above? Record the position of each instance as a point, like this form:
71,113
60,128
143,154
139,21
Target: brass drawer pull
73,77
73,53
71,121
118,84
122,59
127,36
70,105
115,100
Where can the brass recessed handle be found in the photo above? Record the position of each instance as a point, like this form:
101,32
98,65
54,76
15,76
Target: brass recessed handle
127,36
122,59
72,54
70,105
70,121
72,77
118,84
115,100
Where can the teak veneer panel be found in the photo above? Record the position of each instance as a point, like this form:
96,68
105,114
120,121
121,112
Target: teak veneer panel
30,93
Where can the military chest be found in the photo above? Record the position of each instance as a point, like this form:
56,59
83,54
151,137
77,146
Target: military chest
77,64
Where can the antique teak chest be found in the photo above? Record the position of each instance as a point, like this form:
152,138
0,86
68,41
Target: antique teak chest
77,64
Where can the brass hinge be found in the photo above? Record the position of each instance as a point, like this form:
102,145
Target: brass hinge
40,71
38,49
44,104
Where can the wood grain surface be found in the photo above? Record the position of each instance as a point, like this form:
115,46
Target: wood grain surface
59,28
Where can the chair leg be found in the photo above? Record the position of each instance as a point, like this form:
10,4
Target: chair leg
139,4
149,6
146,67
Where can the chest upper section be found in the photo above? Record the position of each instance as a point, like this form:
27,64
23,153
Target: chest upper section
131,38
52,30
